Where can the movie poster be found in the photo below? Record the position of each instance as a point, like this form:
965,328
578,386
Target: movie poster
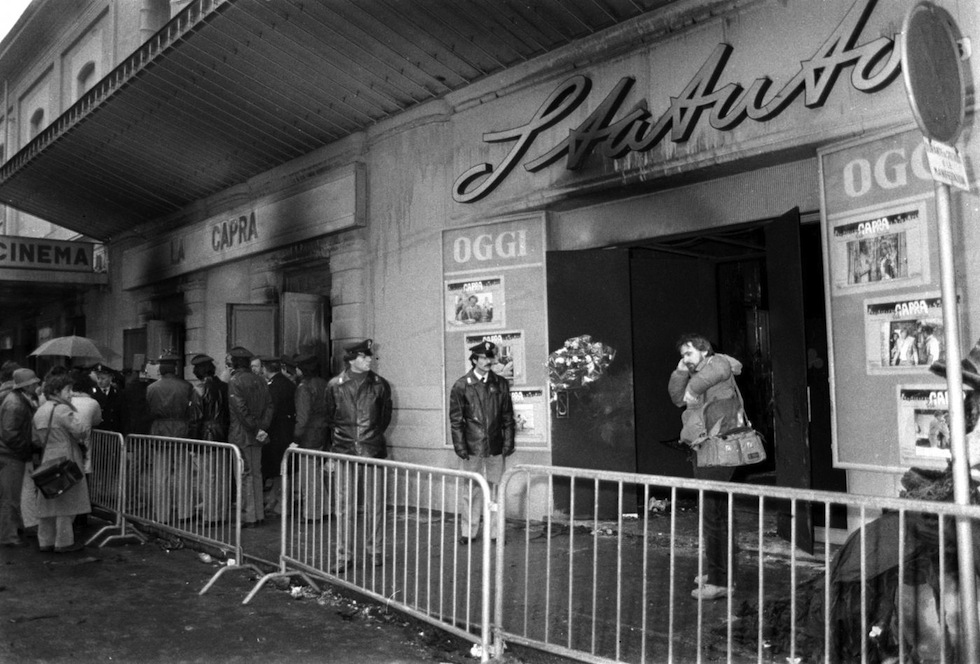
923,425
903,335
510,360
880,249
475,304
529,416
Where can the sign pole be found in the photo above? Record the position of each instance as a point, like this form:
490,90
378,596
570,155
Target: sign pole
957,429
935,84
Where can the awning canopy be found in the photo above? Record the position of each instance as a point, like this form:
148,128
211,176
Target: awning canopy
229,89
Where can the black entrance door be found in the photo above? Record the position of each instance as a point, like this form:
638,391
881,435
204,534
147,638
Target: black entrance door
592,425
789,368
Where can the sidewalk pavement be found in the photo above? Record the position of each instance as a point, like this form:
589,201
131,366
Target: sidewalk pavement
139,603
132,602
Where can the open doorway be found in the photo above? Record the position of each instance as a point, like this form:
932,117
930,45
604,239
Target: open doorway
756,291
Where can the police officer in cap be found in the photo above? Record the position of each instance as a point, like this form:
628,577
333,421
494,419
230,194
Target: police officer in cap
481,418
359,412
109,397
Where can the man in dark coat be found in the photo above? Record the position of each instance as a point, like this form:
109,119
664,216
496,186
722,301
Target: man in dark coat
168,401
481,418
311,433
250,409
209,421
358,412
110,399
283,394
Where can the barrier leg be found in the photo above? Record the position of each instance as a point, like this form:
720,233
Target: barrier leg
273,575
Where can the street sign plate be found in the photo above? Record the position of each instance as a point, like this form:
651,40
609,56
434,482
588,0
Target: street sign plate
946,165
933,71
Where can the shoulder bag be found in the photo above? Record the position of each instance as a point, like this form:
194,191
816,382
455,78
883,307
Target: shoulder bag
738,446
56,476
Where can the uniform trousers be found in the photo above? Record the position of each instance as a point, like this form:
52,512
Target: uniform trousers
471,510
353,484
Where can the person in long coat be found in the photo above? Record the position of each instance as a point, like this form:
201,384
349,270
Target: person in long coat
311,434
283,394
169,403
58,432
250,411
16,414
209,421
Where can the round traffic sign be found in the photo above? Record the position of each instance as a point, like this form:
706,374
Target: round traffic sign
933,72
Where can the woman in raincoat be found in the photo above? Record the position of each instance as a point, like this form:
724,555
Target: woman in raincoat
58,432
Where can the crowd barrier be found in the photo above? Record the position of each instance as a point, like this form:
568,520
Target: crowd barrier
620,591
190,488
388,530
578,583
105,481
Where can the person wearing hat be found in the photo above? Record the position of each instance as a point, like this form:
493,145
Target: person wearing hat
16,413
481,419
209,421
109,397
168,401
310,433
283,394
288,364
359,412
250,412
7,370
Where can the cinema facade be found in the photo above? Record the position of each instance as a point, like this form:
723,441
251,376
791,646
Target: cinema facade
746,169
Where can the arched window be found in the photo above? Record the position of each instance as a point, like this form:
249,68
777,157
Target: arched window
85,79
37,122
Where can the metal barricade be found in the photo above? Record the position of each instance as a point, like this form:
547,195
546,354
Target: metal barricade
105,484
388,530
601,588
191,488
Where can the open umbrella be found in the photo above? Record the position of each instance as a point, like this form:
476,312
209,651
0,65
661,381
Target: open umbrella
73,346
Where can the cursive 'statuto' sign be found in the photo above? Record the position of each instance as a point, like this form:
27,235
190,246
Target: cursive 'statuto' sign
874,64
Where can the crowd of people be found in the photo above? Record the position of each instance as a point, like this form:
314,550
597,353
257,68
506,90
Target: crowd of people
265,405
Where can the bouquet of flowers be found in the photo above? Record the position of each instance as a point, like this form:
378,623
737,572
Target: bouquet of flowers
579,362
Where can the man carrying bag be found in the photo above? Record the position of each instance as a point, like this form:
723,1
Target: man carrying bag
703,382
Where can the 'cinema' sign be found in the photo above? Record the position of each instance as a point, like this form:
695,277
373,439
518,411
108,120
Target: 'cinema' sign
42,254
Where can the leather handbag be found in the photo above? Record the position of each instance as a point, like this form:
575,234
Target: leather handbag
56,476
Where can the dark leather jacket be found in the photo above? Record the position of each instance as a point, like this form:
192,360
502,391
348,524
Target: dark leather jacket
481,416
359,414
209,410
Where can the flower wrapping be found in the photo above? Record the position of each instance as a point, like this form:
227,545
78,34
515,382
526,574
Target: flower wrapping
578,363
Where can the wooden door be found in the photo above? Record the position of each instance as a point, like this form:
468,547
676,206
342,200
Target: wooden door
304,326
255,327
